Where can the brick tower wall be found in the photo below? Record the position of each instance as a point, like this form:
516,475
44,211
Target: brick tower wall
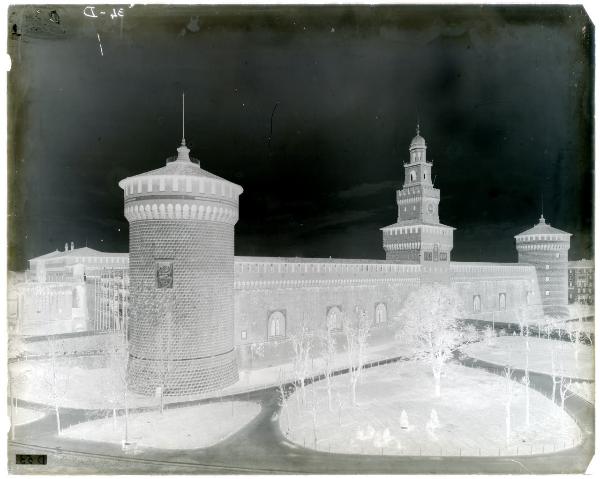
182,337
552,268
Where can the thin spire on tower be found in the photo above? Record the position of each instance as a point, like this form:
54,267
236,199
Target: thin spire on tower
542,219
183,119
183,152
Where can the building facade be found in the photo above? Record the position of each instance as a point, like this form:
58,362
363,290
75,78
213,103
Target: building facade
61,292
581,281
193,311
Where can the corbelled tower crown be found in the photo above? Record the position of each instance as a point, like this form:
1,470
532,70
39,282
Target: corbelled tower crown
418,236
181,250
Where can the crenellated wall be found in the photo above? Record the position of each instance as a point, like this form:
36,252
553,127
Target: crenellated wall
489,281
286,289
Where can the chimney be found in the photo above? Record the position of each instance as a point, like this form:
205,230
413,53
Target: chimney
66,246
72,245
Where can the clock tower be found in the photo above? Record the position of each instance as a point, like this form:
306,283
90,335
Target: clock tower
418,236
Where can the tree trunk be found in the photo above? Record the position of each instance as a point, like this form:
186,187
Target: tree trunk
12,419
57,414
329,391
507,424
437,380
126,419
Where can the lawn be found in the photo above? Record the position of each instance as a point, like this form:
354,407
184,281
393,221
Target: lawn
177,428
76,377
513,350
23,415
470,412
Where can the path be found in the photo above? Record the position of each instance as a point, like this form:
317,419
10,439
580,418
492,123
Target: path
261,447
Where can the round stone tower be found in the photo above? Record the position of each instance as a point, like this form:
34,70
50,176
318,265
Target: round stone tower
547,249
181,239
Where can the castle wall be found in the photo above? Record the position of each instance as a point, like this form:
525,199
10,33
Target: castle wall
290,288
504,291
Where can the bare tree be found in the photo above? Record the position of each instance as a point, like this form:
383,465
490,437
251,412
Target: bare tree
564,390
554,374
429,321
302,338
526,380
57,380
550,325
283,400
508,372
327,341
489,334
356,332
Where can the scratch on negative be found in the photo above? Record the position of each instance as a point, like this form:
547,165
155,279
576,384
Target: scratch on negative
100,43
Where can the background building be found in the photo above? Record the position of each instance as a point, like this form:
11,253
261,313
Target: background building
63,291
581,281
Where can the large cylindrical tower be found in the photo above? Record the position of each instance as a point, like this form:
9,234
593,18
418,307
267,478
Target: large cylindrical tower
547,248
181,240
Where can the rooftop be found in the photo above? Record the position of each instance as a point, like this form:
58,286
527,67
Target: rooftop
85,251
542,228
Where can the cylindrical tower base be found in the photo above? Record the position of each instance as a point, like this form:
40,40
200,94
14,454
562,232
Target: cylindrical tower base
183,377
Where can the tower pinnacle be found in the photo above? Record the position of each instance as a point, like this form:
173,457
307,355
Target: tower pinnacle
183,119
183,152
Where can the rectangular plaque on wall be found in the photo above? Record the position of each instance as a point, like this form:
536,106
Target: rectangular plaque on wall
164,274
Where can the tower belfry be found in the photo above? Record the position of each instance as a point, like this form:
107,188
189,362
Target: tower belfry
418,236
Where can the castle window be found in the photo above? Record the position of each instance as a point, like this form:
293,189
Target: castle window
244,335
502,301
276,325
428,256
334,318
546,279
413,176
476,303
558,255
547,266
547,293
443,256
380,313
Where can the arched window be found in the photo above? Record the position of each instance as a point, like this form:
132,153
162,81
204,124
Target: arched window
380,313
476,303
529,295
413,176
276,325
502,301
334,317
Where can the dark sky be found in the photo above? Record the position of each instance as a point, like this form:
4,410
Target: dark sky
504,96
